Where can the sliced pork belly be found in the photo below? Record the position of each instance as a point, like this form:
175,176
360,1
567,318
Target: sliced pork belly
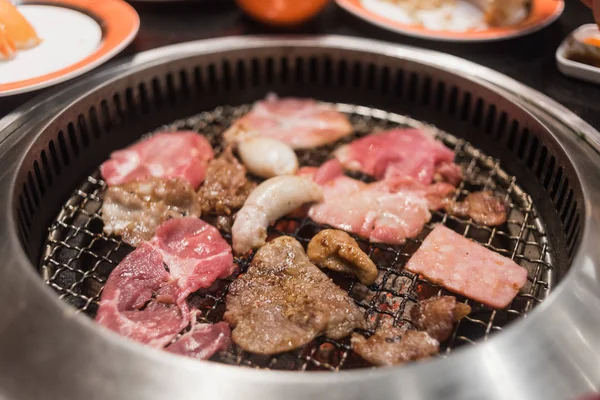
202,341
195,253
284,301
130,305
300,123
402,152
134,210
467,268
164,155
377,211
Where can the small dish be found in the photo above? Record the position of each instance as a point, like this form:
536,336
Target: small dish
578,55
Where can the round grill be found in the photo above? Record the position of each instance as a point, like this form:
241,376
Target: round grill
78,256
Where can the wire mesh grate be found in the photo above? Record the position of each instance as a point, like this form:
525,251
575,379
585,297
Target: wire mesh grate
79,257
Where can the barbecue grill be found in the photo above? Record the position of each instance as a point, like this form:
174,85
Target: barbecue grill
508,138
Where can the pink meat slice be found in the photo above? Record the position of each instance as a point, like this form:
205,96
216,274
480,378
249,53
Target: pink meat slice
373,210
195,252
129,305
301,123
164,155
467,268
405,152
202,341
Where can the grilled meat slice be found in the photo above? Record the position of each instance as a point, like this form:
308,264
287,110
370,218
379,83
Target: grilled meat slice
134,210
483,207
284,301
437,315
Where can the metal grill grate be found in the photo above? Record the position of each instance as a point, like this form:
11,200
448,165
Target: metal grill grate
78,257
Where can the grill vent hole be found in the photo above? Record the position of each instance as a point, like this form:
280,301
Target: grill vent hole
426,97
490,120
479,105
465,109
399,86
198,79
46,167
171,91
284,66
313,70
453,100
144,101
184,83
270,71
371,71
299,70
357,74
512,137
384,85
557,181
212,78
502,124
241,72
32,191
561,198
549,172
541,162
227,78
38,178
54,156
83,130
63,148
533,150
73,138
120,114
567,208
342,73
413,84
440,95
130,102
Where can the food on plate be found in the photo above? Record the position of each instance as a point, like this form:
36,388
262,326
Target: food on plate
195,252
503,12
300,123
267,157
483,207
392,346
164,155
145,296
411,153
337,251
467,268
374,211
284,301
202,341
134,210
270,201
16,33
137,300
437,315
226,187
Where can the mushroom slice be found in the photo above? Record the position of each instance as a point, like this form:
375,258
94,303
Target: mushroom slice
271,200
338,251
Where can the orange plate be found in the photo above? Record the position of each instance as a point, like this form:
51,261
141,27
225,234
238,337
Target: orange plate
119,22
543,13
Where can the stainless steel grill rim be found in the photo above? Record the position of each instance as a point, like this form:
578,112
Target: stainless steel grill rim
480,366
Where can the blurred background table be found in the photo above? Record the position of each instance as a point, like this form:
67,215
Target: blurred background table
529,59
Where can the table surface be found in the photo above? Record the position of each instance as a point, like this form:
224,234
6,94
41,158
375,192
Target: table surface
529,59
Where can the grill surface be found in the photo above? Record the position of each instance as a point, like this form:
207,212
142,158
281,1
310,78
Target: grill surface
78,256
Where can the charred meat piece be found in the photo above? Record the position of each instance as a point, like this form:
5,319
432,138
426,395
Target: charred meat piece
300,123
226,186
134,210
391,346
164,155
410,153
270,201
284,301
483,207
467,268
337,251
437,315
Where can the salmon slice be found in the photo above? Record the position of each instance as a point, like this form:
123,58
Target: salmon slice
16,27
7,46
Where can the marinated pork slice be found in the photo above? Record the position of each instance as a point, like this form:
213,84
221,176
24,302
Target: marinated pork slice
376,211
483,207
437,316
137,300
195,253
226,187
134,210
164,155
284,301
467,268
300,123
402,152
391,346
202,341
